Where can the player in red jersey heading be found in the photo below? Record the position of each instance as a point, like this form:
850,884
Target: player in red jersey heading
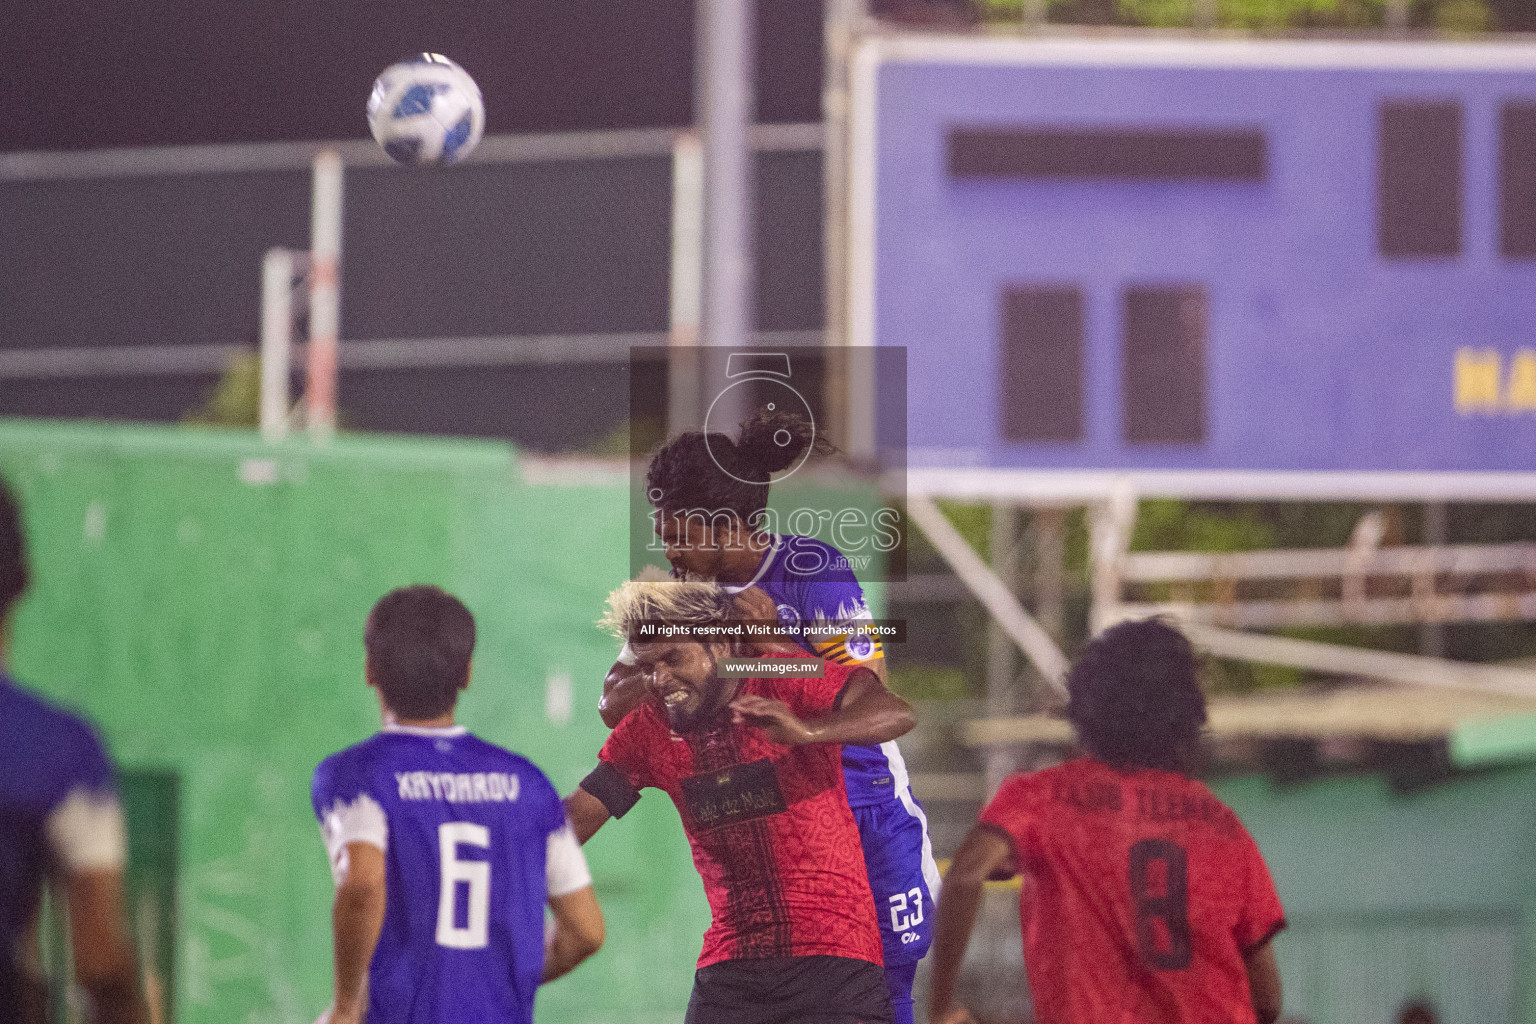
1145,901
754,768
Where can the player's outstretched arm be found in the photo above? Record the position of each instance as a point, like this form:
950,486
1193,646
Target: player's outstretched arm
357,918
579,932
1264,983
104,962
587,814
984,854
869,714
624,689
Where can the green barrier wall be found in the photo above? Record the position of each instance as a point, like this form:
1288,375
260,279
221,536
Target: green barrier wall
202,597
1395,896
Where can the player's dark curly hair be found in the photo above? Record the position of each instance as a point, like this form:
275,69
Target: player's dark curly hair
419,641
14,575
1135,697
684,473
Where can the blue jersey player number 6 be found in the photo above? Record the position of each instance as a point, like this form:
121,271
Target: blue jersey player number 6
446,849
476,876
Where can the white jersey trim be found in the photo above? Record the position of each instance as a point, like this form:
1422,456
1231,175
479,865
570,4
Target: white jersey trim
361,821
425,730
565,866
903,785
87,833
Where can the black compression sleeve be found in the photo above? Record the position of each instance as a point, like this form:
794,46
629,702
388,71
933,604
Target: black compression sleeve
611,788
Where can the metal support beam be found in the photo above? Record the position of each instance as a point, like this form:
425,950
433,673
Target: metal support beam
1110,524
1002,669
1358,661
1432,634
1022,629
1048,530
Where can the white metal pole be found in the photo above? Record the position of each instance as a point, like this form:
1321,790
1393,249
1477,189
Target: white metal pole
324,295
839,29
725,108
859,224
276,340
687,293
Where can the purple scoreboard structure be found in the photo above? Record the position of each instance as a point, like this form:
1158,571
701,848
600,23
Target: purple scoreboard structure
1171,255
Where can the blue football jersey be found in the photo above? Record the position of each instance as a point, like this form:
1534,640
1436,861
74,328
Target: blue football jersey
58,807
810,582
467,829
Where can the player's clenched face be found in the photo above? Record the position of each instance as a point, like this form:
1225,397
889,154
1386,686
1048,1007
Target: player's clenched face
682,676
695,545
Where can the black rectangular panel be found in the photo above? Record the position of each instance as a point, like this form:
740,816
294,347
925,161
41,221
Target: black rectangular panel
1419,178
1124,153
1164,370
1042,365
738,793
1517,180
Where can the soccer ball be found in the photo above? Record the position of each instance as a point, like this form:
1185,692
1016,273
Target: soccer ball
426,110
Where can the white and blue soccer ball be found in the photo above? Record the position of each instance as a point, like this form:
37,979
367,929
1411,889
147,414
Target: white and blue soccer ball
426,110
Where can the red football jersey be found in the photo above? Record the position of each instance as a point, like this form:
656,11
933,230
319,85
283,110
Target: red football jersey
772,835
1142,893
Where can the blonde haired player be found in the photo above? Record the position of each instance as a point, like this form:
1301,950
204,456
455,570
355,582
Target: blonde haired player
710,493
753,766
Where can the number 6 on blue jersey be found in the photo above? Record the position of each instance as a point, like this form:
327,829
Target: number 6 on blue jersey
476,874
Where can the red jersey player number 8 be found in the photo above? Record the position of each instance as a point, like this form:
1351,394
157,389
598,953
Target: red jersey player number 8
1162,910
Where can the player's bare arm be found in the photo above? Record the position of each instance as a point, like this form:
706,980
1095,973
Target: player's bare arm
105,965
984,855
357,917
587,814
579,932
869,714
1264,983
624,689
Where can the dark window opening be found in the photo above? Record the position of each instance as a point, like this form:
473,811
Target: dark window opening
1164,370
1129,153
1419,179
1042,364
1517,180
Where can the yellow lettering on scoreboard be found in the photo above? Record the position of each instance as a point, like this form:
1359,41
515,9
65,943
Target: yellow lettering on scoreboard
1520,395
1485,386
1477,380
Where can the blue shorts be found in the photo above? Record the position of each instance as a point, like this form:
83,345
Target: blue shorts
902,875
